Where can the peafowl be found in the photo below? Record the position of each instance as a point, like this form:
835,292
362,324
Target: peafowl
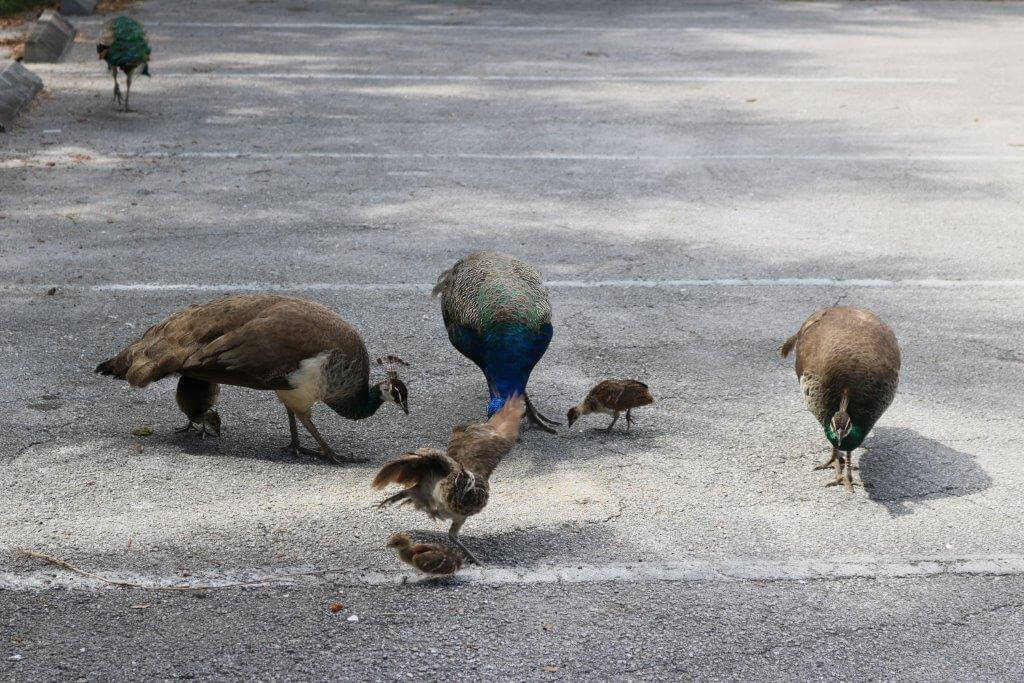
848,363
611,397
300,349
455,485
497,314
123,45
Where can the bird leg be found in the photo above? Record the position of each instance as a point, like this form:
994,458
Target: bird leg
402,497
844,473
325,451
826,465
453,536
629,419
614,420
537,419
128,91
117,88
294,447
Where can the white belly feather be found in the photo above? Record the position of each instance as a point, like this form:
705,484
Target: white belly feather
308,381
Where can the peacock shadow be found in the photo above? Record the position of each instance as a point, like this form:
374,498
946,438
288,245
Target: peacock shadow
526,547
901,466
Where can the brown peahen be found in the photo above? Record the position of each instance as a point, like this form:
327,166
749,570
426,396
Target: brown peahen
497,314
297,348
848,363
455,485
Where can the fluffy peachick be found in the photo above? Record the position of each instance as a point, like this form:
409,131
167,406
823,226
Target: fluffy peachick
612,397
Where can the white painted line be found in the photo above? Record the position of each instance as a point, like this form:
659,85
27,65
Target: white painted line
156,287
65,159
833,569
355,26
525,78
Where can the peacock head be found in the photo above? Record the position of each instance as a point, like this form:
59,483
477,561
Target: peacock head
393,389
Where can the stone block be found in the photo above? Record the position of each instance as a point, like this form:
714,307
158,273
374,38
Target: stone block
18,86
50,38
71,7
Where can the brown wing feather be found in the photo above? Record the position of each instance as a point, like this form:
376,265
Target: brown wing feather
412,468
247,340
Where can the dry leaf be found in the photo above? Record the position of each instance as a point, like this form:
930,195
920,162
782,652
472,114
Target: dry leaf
549,669
336,607
143,431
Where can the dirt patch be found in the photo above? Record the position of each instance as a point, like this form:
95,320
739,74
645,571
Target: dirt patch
115,5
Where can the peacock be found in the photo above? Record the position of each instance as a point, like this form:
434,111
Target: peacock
497,314
123,45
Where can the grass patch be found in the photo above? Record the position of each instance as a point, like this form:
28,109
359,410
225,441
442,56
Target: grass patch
11,7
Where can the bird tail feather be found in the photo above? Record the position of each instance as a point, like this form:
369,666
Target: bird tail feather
788,346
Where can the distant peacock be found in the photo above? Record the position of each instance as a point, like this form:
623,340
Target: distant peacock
123,45
497,314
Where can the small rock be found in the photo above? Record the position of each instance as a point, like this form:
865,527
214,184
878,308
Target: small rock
14,658
354,619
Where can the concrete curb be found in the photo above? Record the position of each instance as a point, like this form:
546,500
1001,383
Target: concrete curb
18,86
77,7
50,38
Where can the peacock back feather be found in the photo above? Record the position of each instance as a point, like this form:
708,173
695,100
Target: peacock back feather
497,314
123,44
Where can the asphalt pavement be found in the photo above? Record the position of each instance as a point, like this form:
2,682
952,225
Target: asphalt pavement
692,180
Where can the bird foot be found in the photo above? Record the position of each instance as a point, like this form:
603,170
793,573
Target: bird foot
846,481
186,428
542,425
469,555
294,449
335,459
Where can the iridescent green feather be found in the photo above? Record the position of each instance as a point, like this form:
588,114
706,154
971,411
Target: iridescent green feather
125,43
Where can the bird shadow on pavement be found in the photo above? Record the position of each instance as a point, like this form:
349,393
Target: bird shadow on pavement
900,465
524,548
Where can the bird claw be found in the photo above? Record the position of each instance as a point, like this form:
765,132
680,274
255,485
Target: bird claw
335,459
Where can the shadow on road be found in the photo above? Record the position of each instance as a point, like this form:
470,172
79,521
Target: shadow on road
901,465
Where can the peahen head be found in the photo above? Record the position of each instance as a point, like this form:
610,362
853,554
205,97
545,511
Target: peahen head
393,389
841,431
